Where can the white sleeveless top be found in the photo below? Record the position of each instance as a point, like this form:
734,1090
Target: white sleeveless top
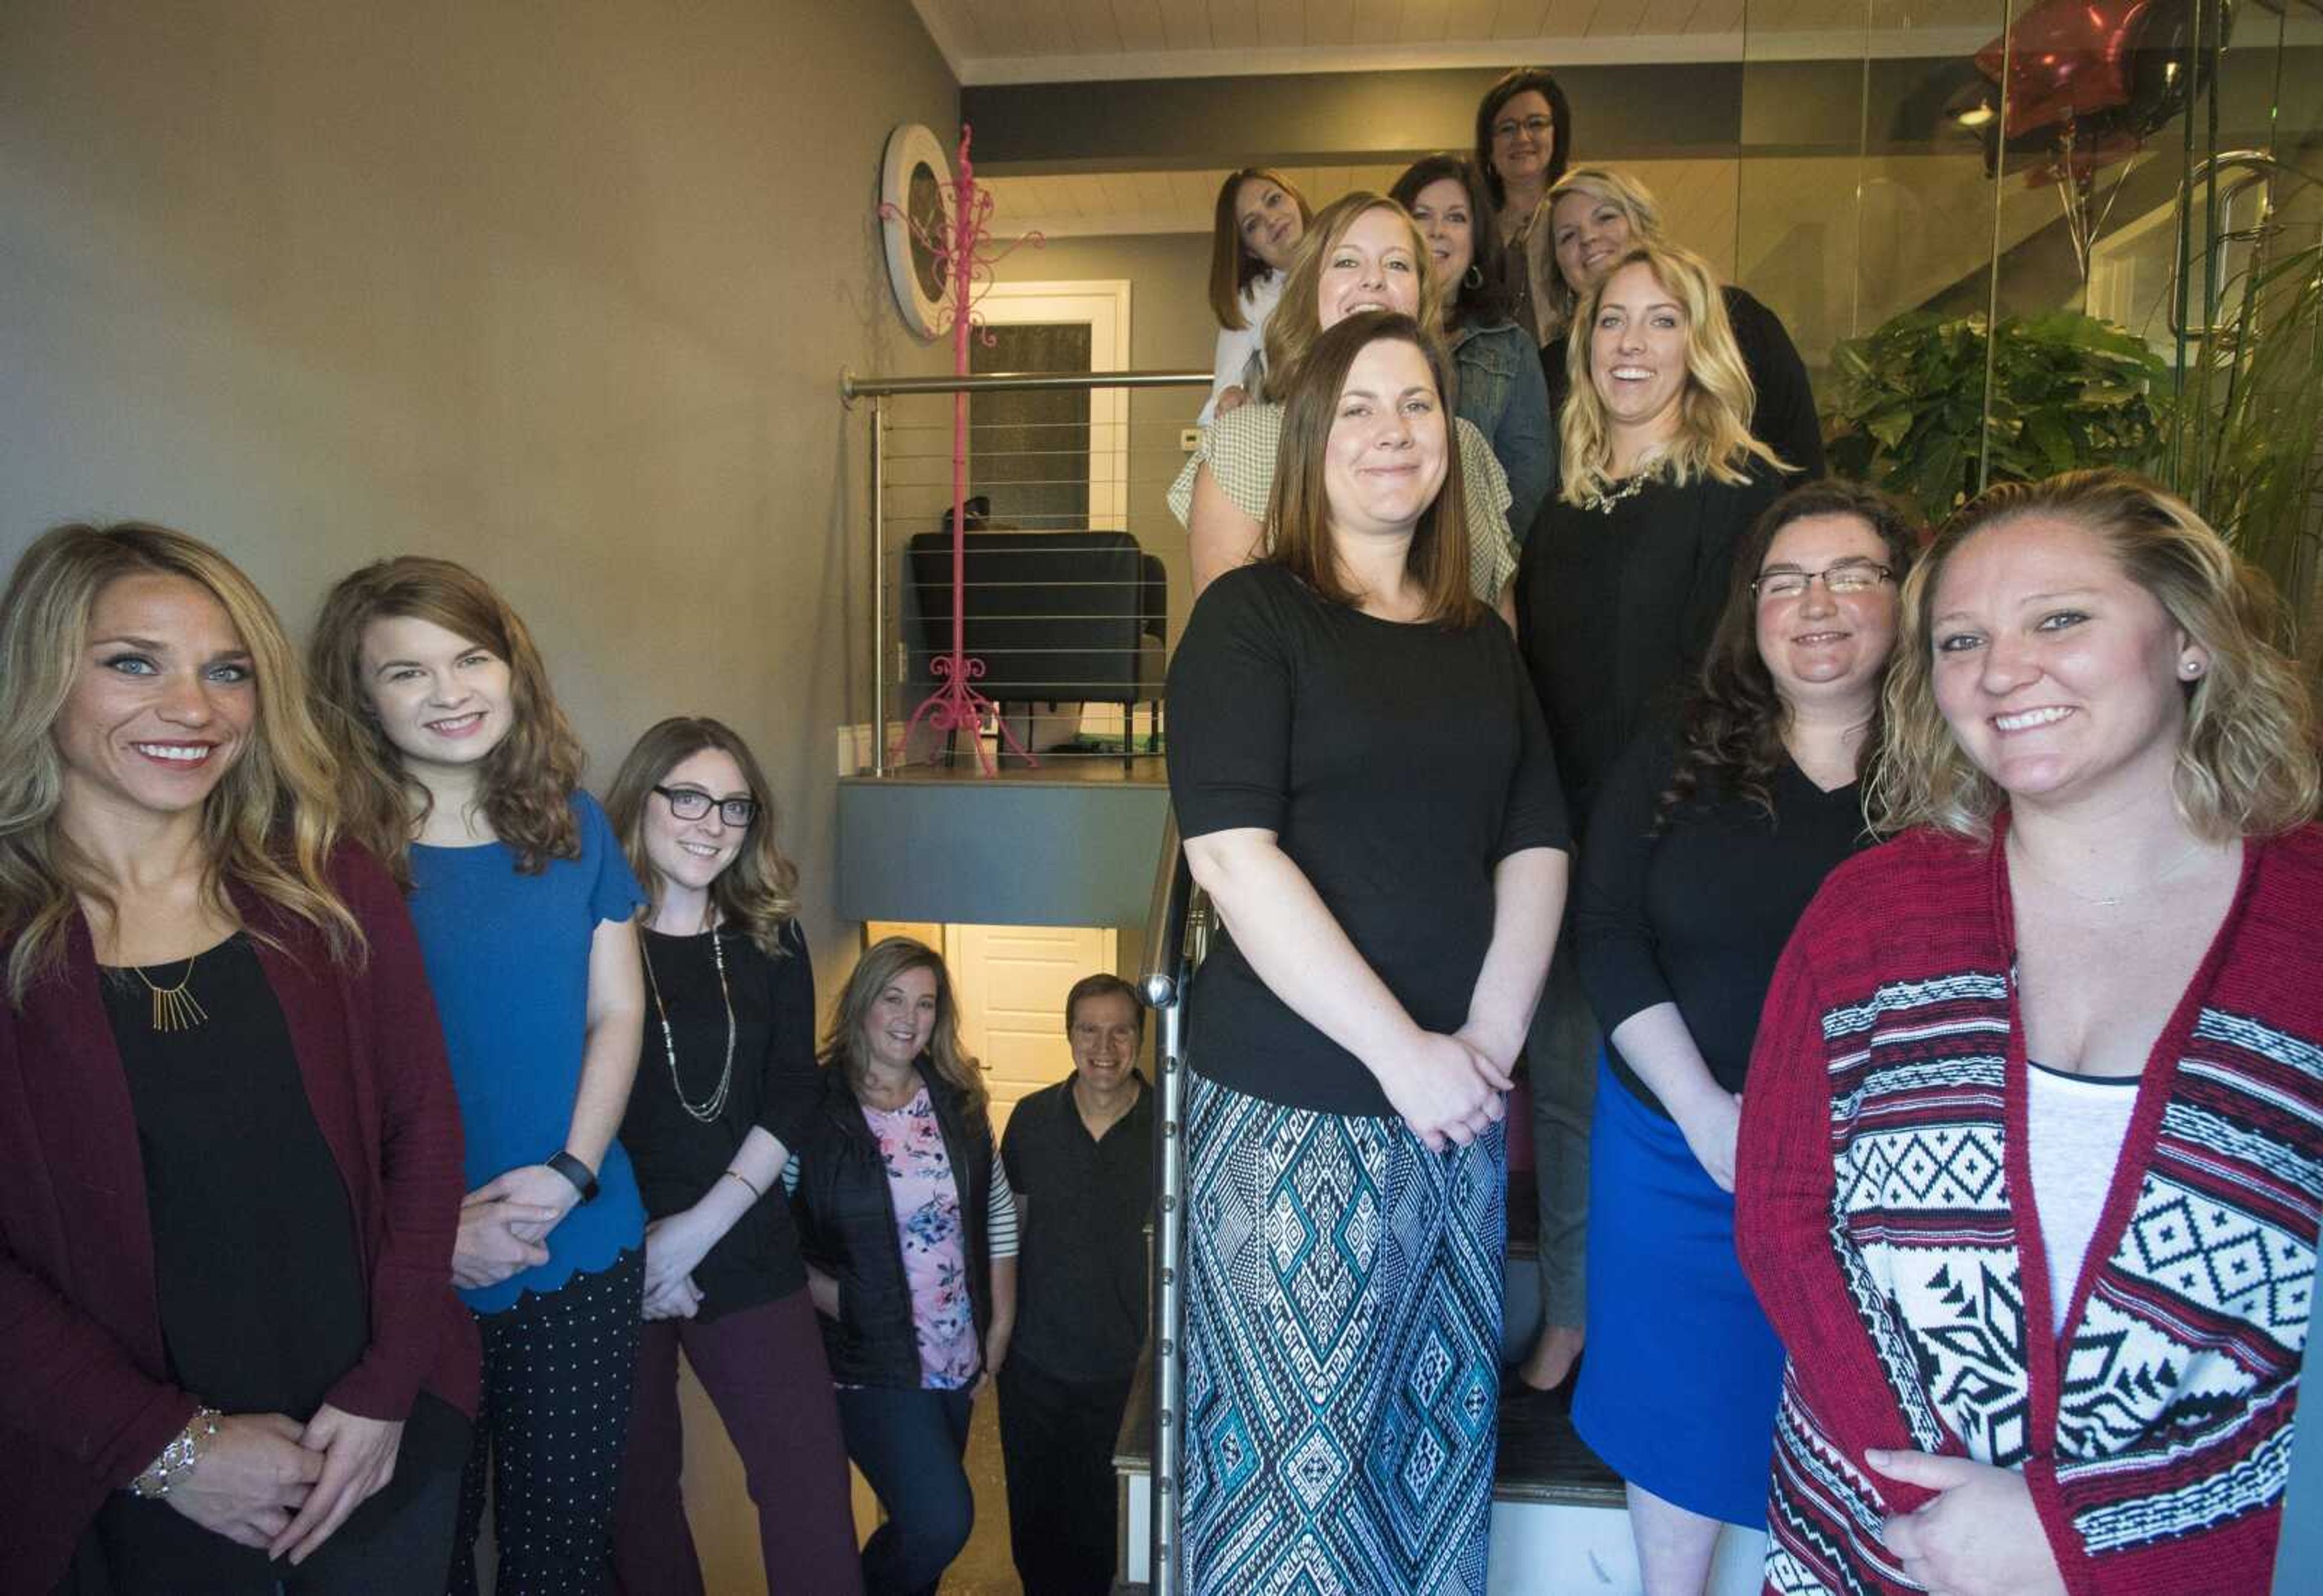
2075,1126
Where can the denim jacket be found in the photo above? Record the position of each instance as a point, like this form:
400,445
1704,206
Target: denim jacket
1503,395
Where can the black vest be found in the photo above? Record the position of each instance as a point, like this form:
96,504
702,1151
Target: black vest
847,1227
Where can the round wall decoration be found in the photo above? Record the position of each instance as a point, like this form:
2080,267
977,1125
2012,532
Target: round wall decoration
916,195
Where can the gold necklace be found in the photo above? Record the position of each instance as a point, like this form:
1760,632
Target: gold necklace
1602,501
174,1007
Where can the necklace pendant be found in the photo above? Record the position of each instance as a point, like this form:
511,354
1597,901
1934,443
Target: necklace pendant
176,1009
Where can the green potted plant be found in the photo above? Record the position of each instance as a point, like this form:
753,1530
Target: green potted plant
1910,412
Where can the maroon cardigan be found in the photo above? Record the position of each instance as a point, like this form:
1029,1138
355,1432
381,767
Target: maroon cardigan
86,1403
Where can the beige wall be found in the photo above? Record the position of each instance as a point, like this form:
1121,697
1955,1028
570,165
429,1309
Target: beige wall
562,290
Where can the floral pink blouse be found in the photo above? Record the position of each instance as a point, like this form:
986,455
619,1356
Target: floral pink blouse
926,1200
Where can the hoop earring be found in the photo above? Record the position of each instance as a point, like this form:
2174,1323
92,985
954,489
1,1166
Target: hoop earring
1473,277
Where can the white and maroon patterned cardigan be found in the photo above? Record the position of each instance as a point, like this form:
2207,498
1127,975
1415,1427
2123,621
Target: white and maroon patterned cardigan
1885,1216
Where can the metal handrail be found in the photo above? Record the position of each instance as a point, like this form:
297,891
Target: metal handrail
852,387
1176,921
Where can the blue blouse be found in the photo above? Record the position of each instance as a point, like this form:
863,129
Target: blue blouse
508,956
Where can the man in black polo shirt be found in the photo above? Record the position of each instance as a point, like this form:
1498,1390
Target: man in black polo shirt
1080,1157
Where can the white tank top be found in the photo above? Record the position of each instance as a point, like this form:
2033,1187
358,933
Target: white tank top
2075,1127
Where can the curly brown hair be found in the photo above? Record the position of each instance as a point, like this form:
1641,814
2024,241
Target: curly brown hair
1730,732
757,893
528,780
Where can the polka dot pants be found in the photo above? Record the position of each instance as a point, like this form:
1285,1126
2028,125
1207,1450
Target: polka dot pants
559,1371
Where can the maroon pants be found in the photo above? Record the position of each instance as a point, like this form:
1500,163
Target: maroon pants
764,1370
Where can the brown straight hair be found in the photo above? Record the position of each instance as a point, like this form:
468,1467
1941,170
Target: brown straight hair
1299,511
1233,267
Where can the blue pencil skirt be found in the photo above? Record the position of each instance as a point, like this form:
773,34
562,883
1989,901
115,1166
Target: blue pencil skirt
1343,1335
1683,1375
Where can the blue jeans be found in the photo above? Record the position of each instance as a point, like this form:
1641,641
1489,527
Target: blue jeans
909,1444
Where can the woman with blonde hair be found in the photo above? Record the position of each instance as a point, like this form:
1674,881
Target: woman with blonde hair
909,1231
458,769
229,1172
1617,594
725,1087
2032,1147
1366,790
1362,252
1261,217
1597,216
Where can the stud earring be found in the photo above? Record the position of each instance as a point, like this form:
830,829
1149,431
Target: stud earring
2191,668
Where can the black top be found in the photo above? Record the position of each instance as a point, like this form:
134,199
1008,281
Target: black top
1080,1281
1783,416
256,1266
1698,915
1397,766
775,1085
1614,608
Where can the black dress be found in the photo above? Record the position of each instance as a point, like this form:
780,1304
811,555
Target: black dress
1614,608
1784,417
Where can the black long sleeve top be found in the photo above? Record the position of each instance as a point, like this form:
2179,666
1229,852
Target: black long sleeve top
1615,606
775,1085
1697,914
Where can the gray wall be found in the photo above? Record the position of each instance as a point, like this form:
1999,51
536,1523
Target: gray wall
562,292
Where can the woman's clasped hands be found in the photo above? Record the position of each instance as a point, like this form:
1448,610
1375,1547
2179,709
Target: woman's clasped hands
1449,1089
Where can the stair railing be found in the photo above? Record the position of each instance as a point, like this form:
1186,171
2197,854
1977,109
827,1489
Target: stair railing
1177,925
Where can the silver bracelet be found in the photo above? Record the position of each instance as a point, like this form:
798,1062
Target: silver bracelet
177,1458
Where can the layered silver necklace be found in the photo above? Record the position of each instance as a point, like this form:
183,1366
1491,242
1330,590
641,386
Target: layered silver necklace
706,1113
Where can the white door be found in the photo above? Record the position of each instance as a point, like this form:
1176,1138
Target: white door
1011,981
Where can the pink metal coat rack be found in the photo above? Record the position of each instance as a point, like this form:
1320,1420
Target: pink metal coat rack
959,236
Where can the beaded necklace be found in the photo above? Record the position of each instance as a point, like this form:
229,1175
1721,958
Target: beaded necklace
709,1112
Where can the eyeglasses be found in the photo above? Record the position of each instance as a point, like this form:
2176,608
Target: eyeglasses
1538,127
691,804
1853,576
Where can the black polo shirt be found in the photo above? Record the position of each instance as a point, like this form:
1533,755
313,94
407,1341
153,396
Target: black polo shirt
1080,1280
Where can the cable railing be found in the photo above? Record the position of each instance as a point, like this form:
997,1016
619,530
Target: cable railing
1177,932
1067,564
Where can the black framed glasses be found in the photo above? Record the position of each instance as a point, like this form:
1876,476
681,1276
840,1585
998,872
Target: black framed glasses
691,804
1850,576
1537,127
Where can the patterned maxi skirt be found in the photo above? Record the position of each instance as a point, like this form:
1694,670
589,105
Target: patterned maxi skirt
1342,1330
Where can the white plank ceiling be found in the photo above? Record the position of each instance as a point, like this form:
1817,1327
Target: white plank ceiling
1064,41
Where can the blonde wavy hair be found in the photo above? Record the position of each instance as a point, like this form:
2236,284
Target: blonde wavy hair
1713,437
529,779
268,826
874,972
1624,193
2247,762
1297,318
758,892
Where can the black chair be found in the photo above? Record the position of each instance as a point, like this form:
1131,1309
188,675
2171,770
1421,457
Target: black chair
1078,617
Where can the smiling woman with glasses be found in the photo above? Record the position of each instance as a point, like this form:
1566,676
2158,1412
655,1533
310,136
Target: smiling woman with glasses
726,1080
1841,578
1711,835
1524,140
691,804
